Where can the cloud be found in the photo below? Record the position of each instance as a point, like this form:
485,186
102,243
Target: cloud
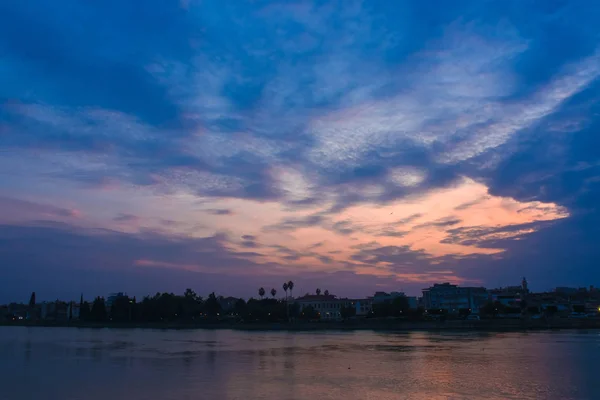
66,248
351,122
439,223
126,218
343,227
409,219
470,204
169,223
220,211
391,254
293,223
451,135
250,241
12,209
493,236
57,56
319,219
392,233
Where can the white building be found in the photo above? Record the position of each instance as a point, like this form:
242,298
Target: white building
453,298
330,308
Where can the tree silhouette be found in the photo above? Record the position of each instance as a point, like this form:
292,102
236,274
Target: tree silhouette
190,304
212,305
120,310
493,308
32,312
309,313
318,292
290,285
98,312
551,310
348,312
190,294
533,310
285,288
133,309
293,310
326,292
261,292
240,306
578,308
273,292
84,311
82,316
396,308
400,306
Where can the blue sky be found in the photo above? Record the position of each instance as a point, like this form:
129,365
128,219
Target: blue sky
351,146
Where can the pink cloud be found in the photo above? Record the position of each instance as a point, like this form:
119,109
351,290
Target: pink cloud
12,210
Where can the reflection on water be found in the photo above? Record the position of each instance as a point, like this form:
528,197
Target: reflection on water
69,364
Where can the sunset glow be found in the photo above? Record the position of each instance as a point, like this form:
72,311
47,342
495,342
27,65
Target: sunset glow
348,147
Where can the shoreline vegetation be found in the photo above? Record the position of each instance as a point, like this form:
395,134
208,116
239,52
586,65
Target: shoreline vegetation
499,325
190,311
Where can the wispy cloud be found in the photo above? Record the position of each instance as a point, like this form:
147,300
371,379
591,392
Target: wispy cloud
220,211
126,218
12,209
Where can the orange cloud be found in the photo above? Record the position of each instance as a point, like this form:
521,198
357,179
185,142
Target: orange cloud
422,224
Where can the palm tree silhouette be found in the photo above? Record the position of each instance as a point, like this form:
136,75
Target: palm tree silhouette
273,292
318,292
290,285
261,292
287,306
285,289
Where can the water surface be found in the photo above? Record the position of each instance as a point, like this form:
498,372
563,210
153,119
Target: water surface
101,364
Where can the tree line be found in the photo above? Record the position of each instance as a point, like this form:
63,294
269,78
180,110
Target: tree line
188,307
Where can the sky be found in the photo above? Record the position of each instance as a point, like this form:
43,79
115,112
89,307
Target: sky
354,146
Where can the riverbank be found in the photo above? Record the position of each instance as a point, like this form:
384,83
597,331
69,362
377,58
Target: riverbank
369,324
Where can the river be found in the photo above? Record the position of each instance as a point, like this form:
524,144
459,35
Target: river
136,364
